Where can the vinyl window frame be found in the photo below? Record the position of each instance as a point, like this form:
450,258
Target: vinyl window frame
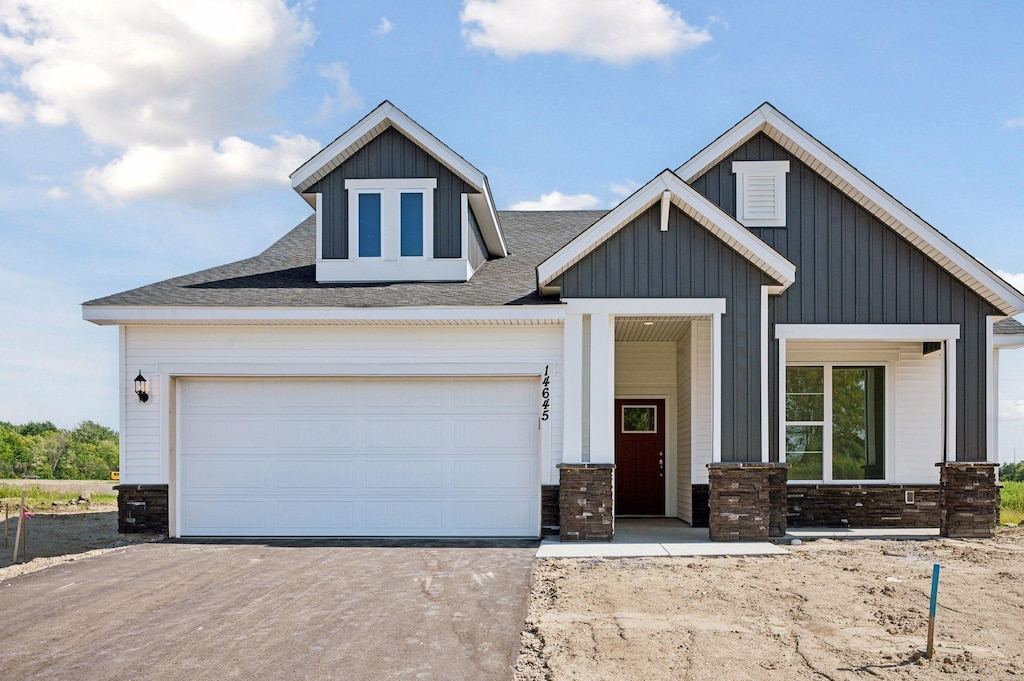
390,192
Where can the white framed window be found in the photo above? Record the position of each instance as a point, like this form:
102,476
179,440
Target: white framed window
391,219
835,422
761,193
640,418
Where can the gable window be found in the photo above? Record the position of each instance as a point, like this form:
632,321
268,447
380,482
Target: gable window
835,422
761,193
392,218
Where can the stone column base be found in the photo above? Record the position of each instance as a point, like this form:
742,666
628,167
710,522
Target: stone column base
142,509
747,501
969,498
585,501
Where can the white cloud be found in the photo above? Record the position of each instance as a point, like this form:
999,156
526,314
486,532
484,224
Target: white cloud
384,27
56,193
198,170
12,110
345,97
615,31
624,189
1012,123
152,77
1011,410
1015,280
559,201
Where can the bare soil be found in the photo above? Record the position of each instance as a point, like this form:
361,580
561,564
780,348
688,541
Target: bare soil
829,610
59,535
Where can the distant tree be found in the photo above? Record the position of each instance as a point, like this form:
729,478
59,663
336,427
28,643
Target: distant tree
93,433
37,428
1012,472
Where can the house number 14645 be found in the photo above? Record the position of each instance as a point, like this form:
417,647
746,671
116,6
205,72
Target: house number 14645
545,396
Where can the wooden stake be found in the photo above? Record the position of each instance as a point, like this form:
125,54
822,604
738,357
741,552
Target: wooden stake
17,534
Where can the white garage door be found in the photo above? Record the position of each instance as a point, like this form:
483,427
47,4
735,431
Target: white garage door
370,457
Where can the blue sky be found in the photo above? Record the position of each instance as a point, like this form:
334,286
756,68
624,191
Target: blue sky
142,139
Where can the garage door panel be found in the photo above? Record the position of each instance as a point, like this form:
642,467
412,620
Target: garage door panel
315,516
408,516
323,432
229,395
370,457
310,474
230,473
493,473
407,474
237,516
475,395
496,432
488,515
395,433
225,432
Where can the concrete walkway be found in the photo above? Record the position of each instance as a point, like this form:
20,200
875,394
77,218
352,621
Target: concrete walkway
637,537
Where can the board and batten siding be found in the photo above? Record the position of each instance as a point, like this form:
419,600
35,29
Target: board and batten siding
687,261
147,347
392,155
853,269
915,390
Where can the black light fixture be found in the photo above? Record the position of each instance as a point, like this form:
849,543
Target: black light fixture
142,387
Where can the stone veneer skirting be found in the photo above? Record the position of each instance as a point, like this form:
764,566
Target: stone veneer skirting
970,499
747,501
863,506
142,509
585,501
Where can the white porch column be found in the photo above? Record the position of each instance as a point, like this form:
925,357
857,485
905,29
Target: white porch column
572,368
716,387
602,388
991,392
950,348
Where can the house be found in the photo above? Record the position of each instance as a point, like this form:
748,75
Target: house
761,337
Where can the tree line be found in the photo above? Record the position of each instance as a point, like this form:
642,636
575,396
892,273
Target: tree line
1012,472
41,449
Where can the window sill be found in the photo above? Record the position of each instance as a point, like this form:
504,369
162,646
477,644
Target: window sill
379,270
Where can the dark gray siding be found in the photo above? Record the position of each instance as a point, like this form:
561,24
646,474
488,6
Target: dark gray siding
852,269
477,247
393,155
687,261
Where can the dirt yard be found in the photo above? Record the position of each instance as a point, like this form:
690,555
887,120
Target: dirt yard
829,610
59,535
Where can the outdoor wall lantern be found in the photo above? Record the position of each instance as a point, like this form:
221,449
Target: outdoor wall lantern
142,387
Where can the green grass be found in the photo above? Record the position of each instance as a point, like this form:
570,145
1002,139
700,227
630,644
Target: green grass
37,497
1012,510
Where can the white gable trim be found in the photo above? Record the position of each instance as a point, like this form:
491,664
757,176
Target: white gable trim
870,196
704,212
377,121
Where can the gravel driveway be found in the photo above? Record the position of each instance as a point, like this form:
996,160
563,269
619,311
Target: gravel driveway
298,609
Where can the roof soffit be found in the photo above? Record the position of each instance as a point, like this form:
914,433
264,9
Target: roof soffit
870,196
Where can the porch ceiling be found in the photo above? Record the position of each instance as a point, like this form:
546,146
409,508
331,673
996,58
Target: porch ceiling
651,329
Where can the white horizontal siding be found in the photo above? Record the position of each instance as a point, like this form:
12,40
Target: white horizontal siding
684,427
146,441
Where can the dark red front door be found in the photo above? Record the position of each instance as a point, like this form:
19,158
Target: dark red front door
640,457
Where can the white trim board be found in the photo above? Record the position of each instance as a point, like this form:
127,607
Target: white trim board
874,332
693,204
869,195
1007,341
633,307
158,314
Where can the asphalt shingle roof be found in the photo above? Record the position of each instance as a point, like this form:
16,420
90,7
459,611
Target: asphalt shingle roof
284,275
1010,327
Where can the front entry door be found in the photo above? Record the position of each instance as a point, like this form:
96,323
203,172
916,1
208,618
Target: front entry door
640,457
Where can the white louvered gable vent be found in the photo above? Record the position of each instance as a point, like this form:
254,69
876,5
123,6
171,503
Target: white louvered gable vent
761,192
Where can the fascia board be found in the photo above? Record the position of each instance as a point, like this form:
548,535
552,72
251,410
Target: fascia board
386,113
155,314
866,193
1008,341
706,213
